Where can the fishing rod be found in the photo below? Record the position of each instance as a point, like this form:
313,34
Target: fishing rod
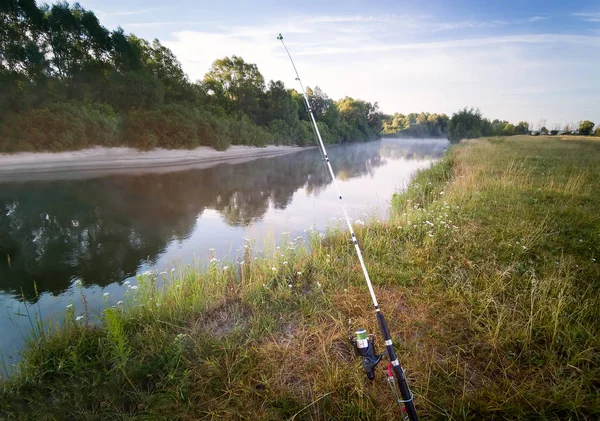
364,344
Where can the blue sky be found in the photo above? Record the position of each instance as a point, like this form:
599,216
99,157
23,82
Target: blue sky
515,60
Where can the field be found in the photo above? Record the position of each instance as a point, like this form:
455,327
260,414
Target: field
488,272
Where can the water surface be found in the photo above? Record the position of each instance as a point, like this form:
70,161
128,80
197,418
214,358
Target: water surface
105,230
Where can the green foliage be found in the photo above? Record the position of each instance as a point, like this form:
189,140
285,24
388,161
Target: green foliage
416,125
465,124
60,127
597,133
522,128
586,127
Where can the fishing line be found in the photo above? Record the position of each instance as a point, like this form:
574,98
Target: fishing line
364,344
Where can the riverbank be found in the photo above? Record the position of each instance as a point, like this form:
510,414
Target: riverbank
103,161
486,272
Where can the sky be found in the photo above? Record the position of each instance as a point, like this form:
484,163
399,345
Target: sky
514,60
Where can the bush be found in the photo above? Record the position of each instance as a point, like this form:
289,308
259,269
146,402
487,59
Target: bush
282,133
173,125
177,126
244,132
60,127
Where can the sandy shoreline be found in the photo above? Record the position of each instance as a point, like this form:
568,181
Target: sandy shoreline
98,161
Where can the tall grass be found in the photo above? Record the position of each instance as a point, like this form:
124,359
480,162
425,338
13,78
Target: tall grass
486,271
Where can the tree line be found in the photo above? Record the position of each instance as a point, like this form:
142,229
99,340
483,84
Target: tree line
67,82
469,123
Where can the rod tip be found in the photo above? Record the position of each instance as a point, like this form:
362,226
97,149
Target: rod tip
280,37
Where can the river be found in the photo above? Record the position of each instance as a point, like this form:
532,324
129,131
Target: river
105,230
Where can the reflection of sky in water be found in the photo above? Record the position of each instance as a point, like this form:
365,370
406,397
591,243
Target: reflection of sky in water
367,181
368,194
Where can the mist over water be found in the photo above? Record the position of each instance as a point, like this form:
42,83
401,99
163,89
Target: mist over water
106,230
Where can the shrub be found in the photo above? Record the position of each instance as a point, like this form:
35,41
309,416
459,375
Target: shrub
60,127
244,132
282,133
173,125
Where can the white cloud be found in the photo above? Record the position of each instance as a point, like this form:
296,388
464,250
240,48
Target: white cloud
103,14
589,17
515,77
536,18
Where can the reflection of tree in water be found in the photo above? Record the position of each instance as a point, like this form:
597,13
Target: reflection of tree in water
102,229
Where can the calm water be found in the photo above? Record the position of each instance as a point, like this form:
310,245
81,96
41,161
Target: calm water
106,230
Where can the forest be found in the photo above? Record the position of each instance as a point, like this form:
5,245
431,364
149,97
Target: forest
67,82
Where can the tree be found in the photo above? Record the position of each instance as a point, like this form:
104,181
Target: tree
586,127
319,101
465,124
544,130
522,128
239,82
509,129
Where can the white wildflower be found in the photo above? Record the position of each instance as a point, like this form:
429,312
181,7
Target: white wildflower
298,273
285,263
126,283
120,303
172,270
78,318
225,268
147,273
70,306
274,269
106,294
289,285
442,193
318,285
78,283
134,287
214,260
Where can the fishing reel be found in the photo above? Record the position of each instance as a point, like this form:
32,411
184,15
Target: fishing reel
364,347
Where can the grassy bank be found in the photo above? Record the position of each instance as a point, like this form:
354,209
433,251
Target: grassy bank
487,272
